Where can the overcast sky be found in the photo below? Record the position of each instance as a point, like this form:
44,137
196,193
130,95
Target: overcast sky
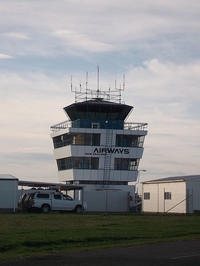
156,44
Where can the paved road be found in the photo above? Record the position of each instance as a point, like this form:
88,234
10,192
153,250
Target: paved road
173,254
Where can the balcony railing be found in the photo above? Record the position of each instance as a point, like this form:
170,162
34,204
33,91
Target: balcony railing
126,126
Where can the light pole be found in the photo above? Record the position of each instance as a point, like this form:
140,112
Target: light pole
136,192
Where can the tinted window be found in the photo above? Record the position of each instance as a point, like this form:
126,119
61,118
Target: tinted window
43,196
57,197
66,197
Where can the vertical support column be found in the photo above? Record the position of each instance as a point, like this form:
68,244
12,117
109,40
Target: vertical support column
82,197
164,201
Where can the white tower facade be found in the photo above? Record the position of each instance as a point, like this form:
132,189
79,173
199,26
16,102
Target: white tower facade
95,147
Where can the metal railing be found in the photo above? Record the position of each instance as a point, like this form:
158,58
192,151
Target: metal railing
61,126
127,126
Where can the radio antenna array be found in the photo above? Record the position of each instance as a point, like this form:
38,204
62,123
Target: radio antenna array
106,95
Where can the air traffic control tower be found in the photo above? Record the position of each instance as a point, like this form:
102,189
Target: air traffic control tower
96,147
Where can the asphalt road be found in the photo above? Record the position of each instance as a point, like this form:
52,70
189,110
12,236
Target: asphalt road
175,253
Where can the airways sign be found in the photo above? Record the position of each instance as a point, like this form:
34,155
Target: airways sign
101,151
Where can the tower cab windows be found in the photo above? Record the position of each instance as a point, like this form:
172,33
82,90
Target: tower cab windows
78,163
87,139
126,164
129,141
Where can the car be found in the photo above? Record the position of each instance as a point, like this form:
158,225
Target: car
47,201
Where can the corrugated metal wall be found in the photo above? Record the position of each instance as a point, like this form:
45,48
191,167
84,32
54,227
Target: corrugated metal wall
107,201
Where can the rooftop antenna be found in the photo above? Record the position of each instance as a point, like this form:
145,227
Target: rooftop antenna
109,94
115,81
86,84
97,81
71,85
123,82
75,90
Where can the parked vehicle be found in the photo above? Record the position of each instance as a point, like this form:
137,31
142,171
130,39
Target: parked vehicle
48,200
21,202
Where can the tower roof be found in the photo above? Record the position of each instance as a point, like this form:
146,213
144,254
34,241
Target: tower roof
97,108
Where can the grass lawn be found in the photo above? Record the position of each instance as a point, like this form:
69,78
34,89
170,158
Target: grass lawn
34,234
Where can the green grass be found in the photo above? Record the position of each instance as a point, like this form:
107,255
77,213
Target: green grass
33,234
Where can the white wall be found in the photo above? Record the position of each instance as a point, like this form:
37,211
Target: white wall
96,175
8,195
157,203
193,192
107,201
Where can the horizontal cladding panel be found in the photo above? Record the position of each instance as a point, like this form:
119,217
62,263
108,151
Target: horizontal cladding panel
114,131
80,174
86,130
120,152
82,151
66,175
116,152
62,152
87,174
60,132
123,176
96,175
94,151
131,132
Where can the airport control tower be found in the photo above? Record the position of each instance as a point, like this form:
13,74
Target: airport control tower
96,147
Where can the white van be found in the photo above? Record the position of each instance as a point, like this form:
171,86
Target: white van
55,201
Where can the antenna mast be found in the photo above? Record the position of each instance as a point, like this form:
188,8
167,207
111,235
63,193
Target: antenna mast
109,95
86,84
97,81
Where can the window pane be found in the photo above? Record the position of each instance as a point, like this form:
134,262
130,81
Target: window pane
117,165
88,139
125,163
78,139
167,196
133,164
129,141
57,197
78,163
96,140
44,196
94,163
147,195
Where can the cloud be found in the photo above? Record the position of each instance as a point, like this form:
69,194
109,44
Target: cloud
163,94
16,35
169,83
5,56
82,41
156,29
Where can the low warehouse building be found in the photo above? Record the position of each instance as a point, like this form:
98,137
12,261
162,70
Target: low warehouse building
8,193
172,195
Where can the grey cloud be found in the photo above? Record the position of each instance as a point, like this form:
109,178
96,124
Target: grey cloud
123,26
27,158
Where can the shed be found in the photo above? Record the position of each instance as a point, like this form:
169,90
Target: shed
8,193
179,194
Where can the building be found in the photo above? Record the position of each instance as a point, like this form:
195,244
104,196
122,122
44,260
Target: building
8,193
179,194
95,147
